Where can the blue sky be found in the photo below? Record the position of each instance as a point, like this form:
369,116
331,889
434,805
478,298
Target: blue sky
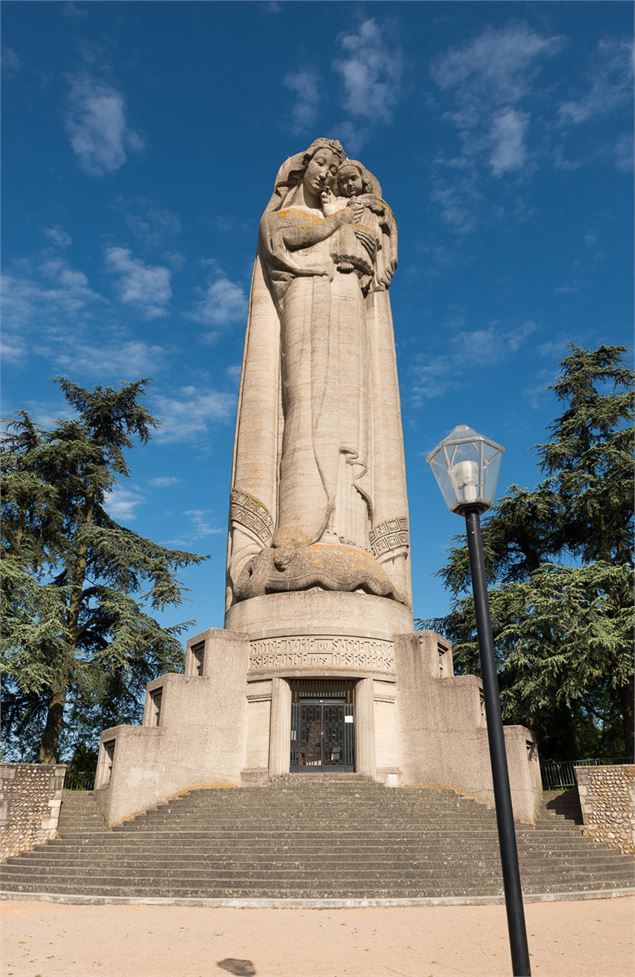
141,141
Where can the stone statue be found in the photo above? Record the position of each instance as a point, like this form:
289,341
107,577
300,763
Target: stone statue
318,488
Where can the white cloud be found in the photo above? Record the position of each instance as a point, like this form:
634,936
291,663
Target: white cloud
13,349
484,81
222,301
121,503
43,305
233,372
371,70
44,295
500,63
466,351
623,152
229,224
304,83
145,286
125,361
191,412
458,197
508,141
10,60
58,236
610,87
202,525
164,481
150,222
96,126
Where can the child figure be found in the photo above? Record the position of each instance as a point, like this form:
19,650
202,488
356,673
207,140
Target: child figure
355,246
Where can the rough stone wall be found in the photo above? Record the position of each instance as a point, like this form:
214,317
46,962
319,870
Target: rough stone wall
30,801
607,799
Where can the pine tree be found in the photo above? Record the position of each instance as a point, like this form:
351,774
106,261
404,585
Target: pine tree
559,561
79,640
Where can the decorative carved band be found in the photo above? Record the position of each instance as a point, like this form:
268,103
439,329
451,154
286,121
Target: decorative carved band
391,534
249,512
318,651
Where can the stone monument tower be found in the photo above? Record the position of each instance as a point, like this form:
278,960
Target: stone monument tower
317,667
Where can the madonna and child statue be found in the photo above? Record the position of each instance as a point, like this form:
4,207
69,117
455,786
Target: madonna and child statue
317,667
318,495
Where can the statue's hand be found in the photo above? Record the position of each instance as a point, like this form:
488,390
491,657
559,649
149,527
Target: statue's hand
352,213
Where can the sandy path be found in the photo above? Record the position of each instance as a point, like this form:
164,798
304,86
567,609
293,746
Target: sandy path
591,938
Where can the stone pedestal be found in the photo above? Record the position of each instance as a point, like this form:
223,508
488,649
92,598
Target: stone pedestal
227,720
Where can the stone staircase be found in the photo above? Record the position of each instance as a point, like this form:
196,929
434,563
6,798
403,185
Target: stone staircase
310,836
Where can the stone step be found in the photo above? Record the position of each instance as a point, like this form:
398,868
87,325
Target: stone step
305,872
331,855
271,891
326,842
310,838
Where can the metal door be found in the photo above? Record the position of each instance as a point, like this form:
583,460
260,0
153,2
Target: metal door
322,736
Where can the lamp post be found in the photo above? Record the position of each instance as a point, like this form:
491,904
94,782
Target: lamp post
466,466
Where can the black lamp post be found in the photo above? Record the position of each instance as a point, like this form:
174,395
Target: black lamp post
466,465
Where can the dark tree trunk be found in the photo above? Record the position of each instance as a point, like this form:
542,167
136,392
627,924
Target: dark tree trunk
54,722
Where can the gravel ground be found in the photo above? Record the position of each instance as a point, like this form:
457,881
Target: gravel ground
590,938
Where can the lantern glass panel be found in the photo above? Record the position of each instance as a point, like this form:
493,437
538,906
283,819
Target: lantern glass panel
466,467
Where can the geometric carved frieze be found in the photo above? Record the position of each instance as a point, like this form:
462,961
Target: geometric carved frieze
320,651
391,534
252,514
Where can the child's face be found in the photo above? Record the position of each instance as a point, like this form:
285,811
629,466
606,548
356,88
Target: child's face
350,181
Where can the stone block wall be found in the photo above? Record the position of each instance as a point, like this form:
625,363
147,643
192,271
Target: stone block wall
30,801
607,799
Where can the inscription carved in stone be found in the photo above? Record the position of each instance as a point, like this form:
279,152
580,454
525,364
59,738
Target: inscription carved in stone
249,512
321,651
391,534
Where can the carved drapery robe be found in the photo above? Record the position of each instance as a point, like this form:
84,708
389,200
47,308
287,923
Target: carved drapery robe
318,486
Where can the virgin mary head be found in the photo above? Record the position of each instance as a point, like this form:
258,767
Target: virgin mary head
292,171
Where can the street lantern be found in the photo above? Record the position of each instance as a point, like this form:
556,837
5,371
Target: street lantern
466,466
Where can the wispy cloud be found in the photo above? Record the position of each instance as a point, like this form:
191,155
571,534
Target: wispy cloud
164,481
623,152
499,64
508,141
221,301
59,237
11,61
610,84
485,80
50,296
201,522
371,71
150,222
147,287
190,412
125,361
304,84
121,503
96,126
465,351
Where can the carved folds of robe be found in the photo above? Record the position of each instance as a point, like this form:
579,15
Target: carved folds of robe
318,488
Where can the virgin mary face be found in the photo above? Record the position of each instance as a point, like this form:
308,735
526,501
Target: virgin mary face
320,172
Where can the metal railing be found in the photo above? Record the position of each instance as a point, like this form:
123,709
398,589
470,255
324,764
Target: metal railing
79,781
561,773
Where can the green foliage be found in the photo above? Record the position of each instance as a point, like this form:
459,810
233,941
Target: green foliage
79,641
560,568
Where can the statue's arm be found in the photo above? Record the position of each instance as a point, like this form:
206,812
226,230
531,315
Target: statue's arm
296,236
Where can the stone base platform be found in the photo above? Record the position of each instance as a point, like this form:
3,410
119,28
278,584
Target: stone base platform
228,719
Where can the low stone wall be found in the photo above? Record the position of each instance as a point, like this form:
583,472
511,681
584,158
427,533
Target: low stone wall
607,799
30,801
